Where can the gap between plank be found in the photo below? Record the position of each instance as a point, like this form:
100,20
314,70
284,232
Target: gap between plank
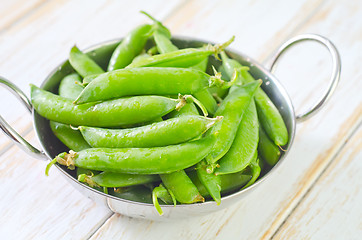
333,158
100,226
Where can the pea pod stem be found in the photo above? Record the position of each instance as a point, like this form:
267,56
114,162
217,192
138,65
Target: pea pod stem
211,182
87,179
165,195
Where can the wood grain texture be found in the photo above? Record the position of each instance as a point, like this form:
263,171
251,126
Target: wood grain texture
332,208
14,11
44,207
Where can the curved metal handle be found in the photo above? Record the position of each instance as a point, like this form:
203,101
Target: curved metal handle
336,70
10,132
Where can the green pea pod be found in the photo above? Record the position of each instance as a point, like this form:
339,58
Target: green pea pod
211,182
138,193
245,144
232,109
82,63
130,47
70,86
269,115
110,179
71,138
182,187
228,182
146,81
254,170
157,160
112,113
267,149
168,132
165,195
164,45
182,58
201,66
187,110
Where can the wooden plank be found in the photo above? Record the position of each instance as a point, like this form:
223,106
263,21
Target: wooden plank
44,207
342,114
13,11
257,30
317,140
332,208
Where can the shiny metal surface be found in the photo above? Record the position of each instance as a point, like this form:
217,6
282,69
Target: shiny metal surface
336,68
9,131
101,53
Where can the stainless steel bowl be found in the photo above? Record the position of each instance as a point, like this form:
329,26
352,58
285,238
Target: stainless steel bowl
51,146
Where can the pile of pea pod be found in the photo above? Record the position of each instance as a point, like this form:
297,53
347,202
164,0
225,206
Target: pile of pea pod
158,125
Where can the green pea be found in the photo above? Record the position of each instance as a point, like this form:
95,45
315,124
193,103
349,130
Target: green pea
182,187
171,131
111,179
112,113
267,149
130,47
146,81
269,115
156,160
232,110
245,144
82,63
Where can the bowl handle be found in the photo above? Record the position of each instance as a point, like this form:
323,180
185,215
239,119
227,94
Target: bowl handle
10,132
336,70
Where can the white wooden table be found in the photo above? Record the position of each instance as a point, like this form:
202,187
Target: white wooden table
316,194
